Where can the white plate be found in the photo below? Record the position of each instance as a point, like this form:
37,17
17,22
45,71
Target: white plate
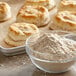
12,51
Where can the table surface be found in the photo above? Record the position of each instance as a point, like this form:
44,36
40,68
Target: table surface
21,65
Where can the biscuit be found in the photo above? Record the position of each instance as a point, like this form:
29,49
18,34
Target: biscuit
21,31
64,20
37,15
49,4
5,11
67,5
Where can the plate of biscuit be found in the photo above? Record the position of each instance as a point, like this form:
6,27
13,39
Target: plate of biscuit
19,20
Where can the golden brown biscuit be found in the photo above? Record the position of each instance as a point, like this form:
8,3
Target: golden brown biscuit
38,15
5,11
69,5
49,4
64,20
19,32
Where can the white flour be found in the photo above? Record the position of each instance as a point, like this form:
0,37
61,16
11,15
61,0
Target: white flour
53,47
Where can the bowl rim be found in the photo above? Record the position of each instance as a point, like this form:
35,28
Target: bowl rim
52,61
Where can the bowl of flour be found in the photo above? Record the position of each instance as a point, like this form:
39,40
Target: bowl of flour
51,51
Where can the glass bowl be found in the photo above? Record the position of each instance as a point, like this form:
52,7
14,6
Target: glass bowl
46,65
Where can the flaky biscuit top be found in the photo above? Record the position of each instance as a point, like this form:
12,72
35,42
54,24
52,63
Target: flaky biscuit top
23,28
49,4
66,16
31,11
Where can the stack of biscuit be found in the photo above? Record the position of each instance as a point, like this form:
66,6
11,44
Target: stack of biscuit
49,4
19,32
65,18
37,15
